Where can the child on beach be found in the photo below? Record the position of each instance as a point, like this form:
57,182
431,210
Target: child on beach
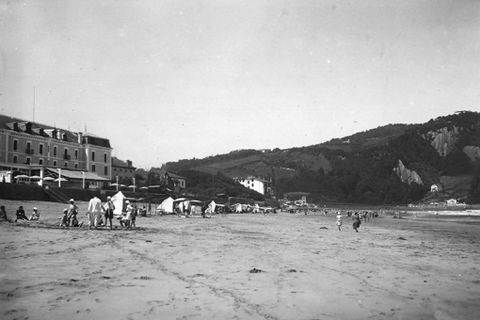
339,221
35,214
64,218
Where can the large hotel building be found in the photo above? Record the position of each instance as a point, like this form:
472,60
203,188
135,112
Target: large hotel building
32,151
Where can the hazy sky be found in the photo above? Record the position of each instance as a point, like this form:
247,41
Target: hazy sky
169,80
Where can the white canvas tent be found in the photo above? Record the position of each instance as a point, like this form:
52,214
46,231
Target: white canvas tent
119,202
166,206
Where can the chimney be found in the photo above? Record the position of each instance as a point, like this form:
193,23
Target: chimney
129,163
79,136
28,127
15,126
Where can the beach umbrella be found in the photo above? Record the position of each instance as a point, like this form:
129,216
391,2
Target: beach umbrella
144,188
113,184
153,187
61,179
34,177
48,179
131,186
123,186
22,176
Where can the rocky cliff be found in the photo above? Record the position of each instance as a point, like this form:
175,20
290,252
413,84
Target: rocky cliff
443,140
407,175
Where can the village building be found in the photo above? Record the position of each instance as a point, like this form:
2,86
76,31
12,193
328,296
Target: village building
258,184
38,151
124,170
173,181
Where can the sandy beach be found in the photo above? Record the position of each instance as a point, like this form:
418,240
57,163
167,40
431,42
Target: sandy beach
275,266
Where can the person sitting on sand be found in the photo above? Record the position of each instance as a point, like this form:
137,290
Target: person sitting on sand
35,214
21,214
356,222
64,218
3,215
339,221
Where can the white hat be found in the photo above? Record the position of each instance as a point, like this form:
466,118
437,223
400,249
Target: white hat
71,200
127,201
35,208
108,197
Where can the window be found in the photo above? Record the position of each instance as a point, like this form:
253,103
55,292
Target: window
54,163
65,164
54,151
93,168
15,145
40,149
40,161
105,158
28,160
29,145
76,154
105,171
76,165
15,159
93,155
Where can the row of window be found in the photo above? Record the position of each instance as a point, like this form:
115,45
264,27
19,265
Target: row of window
66,156
123,170
65,164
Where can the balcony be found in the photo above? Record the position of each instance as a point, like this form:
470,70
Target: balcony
67,157
29,151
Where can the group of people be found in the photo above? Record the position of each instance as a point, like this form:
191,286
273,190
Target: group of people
19,215
356,217
99,214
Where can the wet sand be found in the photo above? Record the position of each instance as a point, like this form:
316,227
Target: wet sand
176,268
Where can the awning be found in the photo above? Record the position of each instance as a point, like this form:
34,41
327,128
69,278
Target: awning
77,175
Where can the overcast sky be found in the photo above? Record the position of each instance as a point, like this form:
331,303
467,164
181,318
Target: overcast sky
170,80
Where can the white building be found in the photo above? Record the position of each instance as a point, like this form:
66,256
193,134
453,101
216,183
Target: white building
259,185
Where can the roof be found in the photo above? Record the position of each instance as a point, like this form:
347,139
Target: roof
176,176
77,175
120,163
38,129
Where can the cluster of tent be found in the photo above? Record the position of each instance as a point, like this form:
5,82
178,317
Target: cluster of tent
186,206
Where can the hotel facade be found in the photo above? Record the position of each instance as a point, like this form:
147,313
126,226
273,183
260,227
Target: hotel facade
36,150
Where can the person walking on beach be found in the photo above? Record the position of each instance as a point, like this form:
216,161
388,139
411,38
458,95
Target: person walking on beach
339,221
109,207
21,214
94,211
356,222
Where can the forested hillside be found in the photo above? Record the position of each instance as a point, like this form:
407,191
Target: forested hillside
393,164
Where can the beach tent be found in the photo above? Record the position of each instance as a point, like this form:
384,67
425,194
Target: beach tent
195,206
237,208
166,206
119,202
211,207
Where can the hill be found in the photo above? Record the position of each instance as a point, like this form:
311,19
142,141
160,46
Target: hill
393,164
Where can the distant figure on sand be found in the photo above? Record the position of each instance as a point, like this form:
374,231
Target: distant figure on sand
35,214
339,221
356,222
109,207
21,214
3,214
94,212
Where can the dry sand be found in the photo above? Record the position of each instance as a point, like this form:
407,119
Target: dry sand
174,268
